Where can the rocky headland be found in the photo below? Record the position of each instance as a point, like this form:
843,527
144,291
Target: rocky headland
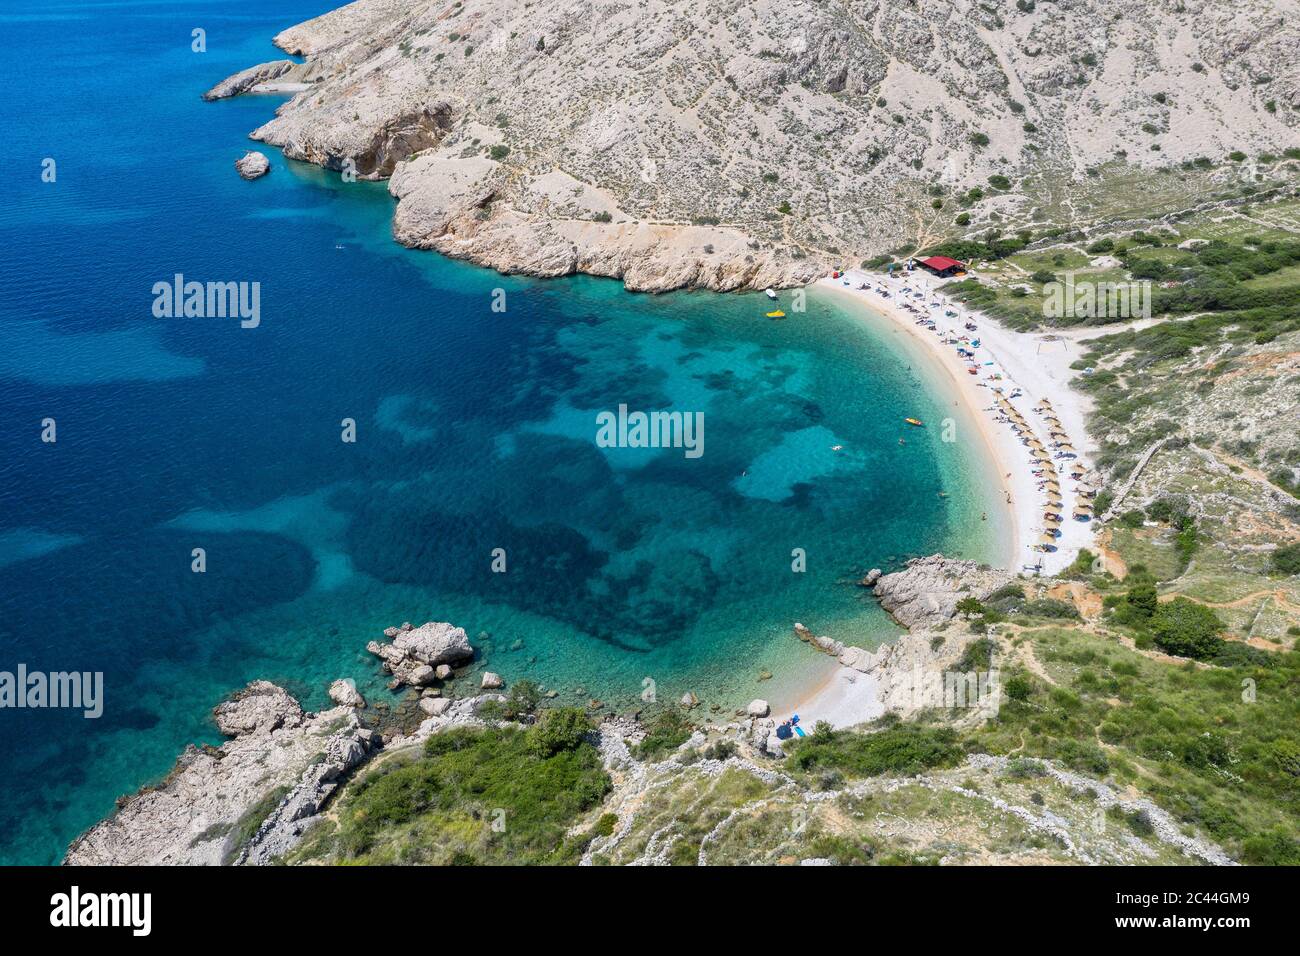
747,143
927,590
277,770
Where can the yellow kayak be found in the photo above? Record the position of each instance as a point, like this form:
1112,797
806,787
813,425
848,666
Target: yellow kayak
778,314
914,421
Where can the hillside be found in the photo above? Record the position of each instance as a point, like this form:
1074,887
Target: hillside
740,143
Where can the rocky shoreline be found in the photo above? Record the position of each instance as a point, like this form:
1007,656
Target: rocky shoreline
277,754
250,800
646,145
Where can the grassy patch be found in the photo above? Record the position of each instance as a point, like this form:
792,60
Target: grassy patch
494,796
901,749
1218,747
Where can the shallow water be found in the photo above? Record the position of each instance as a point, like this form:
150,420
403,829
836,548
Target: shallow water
475,431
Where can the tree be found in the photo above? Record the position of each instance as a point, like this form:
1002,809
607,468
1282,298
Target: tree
1142,599
558,730
1186,629
968,607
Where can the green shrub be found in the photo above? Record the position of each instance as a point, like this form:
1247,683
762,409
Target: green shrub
665,732
474,796
1082,564
1133,519
1050,608
1273,848
978,656
1286,559
558,730
1186,629
522,700
1017,688
1139,604
906,749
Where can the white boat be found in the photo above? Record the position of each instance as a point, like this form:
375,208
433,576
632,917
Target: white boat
769,293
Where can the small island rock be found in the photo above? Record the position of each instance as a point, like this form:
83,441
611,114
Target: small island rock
253,165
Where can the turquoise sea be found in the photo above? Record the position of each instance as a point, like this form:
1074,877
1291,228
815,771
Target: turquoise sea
475,431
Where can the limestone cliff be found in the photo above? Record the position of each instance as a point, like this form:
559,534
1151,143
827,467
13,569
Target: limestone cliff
734,144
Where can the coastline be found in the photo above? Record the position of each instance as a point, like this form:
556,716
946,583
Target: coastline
1025,366
1035,365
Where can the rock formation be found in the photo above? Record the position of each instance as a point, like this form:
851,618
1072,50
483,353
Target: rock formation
926,591
745,143
253,165
416,653
279,767
345,693
251,79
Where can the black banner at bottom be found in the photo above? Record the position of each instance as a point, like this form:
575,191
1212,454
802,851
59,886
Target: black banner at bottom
331,905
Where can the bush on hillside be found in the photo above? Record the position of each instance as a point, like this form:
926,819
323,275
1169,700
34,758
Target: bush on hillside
1186,629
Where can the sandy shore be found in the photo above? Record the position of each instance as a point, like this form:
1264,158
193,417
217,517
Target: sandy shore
1028,368
839,695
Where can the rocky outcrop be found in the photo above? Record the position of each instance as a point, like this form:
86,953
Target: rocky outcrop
451,203
925,593
435,706
301,807
260,708
345,694
281,764
253,165
846,654
361,146
416,653
249,80
492,681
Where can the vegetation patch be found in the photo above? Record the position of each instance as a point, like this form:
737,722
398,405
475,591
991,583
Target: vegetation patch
493,796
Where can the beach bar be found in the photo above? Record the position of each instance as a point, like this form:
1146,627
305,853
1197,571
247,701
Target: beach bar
942,266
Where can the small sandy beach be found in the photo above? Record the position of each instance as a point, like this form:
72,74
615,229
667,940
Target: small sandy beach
1030,372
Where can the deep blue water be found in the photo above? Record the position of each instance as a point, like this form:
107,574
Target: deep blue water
475,431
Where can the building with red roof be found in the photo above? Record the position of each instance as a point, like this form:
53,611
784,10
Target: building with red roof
942,266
